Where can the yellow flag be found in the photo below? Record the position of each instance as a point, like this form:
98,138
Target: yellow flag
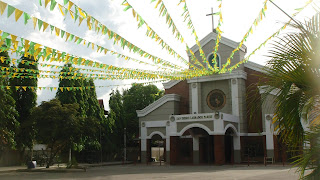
67,36
57,31
61,10
48,51
157,3
59,55
36,46
26,45
89,22
45,25
18,14
76,39
71,13
24,88
81,13
80,20
2,7
15,45
34,22
46,2
13,37
70,5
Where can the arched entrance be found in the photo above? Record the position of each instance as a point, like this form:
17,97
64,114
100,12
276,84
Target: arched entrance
156,149
228,144
195,146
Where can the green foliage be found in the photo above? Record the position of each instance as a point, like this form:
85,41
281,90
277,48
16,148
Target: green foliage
123,114
89,108
25,101
6,62
309,160
8,112
115,121
8,119
294,72
57,125
137,98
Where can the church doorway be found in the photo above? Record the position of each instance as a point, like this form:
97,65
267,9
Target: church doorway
228,142
157,149
195,147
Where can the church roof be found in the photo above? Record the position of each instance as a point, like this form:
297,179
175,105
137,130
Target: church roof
224,40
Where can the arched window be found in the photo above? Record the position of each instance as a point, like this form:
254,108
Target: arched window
210,58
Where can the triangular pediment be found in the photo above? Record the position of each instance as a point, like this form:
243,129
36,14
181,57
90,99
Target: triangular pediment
224,40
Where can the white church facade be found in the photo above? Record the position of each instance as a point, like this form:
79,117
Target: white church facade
205,119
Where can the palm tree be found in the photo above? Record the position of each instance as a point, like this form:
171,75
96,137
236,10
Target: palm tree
294,72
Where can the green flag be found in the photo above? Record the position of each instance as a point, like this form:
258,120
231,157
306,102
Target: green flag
53,5
10,10
26,18
65,2
40,24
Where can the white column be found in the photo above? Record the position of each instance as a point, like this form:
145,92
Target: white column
168,133
269,132
195,143
234,83
218,127
194,98
236,142
143,137
235,97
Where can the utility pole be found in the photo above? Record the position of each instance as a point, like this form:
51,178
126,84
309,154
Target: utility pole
288,15
125,145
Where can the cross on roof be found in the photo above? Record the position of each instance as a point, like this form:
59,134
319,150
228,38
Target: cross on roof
211,14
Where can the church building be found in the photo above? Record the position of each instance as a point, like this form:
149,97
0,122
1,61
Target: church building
204,120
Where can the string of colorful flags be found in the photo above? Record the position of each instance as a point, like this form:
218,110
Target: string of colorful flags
97,70
163,11
49,54
218,39
298,10
78,40
103,29
81,88
187,18
152,34
250,31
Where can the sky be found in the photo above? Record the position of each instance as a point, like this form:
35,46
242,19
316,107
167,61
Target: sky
238,16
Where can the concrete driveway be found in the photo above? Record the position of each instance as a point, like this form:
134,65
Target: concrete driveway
131,172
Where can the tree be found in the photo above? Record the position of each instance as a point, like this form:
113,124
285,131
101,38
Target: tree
115,121
8,112
137,98
57,125
294,71
26,99
82,91
123,114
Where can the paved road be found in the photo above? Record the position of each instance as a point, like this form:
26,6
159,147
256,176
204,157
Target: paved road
131,172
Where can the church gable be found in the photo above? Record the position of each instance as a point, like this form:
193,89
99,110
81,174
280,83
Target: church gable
226,46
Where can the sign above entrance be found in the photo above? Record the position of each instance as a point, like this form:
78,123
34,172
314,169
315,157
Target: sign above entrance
194,117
